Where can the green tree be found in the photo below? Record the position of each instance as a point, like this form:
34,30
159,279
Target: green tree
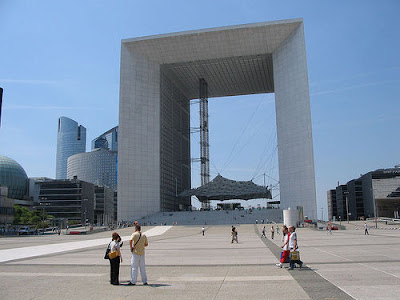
24,216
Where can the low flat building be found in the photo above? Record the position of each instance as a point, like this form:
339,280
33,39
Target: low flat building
77,201
376,193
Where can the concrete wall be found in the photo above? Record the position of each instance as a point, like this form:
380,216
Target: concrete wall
139,136
293,122
147,166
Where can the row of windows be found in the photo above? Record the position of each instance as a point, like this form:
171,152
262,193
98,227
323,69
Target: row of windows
7,211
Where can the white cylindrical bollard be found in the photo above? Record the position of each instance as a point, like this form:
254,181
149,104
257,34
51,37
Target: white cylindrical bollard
290,217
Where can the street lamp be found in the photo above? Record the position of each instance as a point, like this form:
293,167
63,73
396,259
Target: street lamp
375,209
347,205
42,206
84,203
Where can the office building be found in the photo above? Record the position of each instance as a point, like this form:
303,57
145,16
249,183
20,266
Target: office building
71,139
376,193
98,167
107,140
74,201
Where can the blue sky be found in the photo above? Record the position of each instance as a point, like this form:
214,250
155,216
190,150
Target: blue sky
62,58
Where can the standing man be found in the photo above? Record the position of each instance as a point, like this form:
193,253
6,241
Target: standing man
366,229
138,242
272,232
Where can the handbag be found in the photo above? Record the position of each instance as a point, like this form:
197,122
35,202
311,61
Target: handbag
113,255
295,255
106,256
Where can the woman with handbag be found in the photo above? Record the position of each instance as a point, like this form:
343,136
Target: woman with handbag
115,258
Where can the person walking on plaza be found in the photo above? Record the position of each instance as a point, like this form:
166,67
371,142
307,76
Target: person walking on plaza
115,262
329,229
277,230
234,235
285,246
293,246
203,229
138,242
366,229
272,232
263,232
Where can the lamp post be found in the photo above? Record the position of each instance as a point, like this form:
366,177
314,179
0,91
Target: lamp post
375,208
42,205
347,205
84,203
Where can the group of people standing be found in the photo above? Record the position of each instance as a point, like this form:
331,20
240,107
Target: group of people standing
137,242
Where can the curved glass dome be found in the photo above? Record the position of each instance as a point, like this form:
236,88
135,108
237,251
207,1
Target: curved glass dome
13,176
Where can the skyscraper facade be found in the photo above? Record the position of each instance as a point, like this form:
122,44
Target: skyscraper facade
98,167
107,140
71,139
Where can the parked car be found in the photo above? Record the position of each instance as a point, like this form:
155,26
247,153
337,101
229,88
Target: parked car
26,230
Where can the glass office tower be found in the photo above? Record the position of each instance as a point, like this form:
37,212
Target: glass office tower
71,139
98,167
108,140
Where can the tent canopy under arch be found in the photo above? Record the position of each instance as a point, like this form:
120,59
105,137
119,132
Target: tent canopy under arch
221,188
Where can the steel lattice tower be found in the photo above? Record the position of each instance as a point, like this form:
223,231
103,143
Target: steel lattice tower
204,138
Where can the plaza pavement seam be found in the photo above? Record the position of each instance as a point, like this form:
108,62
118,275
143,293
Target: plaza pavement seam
357,262
316,286
222,283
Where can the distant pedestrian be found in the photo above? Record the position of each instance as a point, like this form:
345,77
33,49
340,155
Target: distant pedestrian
366,229
234,235
115,262
256,221
138,242
272,232
329,229
285,247
203,229
277,230
263,232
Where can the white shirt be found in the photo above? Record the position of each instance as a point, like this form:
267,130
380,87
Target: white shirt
284,241
114,246
292,238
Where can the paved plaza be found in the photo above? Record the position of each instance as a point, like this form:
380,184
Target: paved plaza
183,264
